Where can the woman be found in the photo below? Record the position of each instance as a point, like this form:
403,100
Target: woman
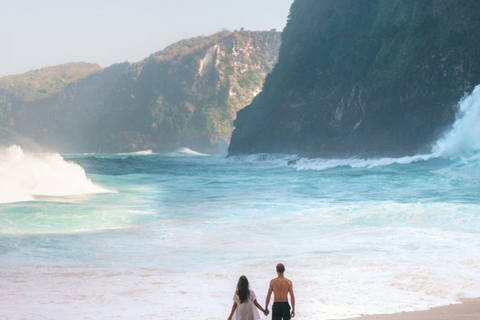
244,302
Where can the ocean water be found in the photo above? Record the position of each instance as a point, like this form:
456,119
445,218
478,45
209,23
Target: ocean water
156,236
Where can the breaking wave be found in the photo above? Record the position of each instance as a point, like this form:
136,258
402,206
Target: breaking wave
323,164
139,153
462,140
23,176
187,152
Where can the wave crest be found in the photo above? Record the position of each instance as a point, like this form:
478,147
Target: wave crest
188,152
24,176
139,153
464,137
462,140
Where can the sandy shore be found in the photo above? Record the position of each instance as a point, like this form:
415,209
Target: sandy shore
468,310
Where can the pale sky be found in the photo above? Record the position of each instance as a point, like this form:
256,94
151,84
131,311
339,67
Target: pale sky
40,33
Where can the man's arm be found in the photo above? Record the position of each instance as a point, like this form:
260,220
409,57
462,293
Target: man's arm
267,301
292,298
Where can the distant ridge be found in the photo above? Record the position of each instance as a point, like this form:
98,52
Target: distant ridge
41,83
186,95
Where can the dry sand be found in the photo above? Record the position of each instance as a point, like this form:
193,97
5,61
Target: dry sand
468,310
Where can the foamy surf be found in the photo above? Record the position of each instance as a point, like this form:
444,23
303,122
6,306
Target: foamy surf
367,269
461,140
357,242
186,152
323,164
137,153
25,176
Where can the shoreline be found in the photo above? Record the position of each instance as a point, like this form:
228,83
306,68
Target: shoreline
468,309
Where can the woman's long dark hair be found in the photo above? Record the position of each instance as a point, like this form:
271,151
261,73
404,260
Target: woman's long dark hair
243,289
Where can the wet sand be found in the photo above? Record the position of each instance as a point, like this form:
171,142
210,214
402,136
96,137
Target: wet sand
468,310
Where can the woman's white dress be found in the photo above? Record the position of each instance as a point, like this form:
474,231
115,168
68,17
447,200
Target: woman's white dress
246,310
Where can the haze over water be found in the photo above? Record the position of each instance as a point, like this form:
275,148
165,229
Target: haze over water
155,236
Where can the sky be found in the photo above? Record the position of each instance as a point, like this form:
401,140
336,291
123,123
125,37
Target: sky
40,33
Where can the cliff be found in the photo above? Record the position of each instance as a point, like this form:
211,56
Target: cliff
35,85
364,78
186,95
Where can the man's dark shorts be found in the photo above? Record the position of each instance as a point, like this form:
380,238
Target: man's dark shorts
281,311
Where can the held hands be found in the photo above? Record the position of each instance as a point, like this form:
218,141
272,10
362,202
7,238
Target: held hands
266,312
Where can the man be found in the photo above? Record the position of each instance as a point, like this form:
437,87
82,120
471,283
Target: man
281,287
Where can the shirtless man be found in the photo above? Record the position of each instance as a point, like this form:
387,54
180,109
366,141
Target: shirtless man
280,286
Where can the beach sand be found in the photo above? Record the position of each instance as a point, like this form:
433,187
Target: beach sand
468,310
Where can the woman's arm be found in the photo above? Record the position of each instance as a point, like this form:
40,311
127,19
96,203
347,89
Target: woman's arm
258,306
233,310
269,294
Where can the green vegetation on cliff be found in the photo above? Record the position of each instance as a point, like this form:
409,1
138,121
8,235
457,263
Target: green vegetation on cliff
186,95
364,78
189,93
41,83
36,85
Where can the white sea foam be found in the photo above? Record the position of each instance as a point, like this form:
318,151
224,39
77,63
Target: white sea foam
402,264
346,257
323,164
187,152
138,153
464,137
24,176
461,140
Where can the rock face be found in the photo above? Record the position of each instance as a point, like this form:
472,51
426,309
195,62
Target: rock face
364,78
35,85
188,94
68,121
184,96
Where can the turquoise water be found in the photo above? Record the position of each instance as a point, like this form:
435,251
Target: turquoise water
188,213
357,236
187,202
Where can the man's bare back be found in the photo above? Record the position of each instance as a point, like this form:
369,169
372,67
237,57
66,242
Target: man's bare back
281,288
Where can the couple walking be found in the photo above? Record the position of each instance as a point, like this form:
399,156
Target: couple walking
245,301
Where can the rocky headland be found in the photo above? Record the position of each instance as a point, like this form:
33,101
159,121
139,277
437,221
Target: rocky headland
364,78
